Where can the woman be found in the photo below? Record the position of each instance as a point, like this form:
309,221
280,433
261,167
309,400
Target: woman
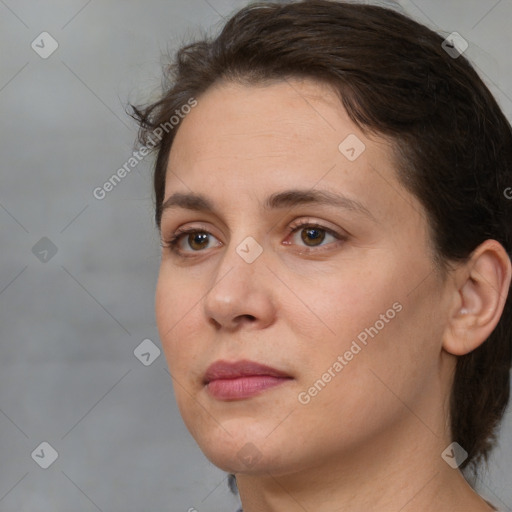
332,191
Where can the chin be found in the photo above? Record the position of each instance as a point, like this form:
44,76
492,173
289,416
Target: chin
240,455
237,449
246,460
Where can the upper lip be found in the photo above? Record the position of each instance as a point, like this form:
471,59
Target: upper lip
243,368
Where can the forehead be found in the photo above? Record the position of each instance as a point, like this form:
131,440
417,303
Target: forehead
253,120
242,142
280,127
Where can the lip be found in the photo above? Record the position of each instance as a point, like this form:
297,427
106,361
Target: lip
226,380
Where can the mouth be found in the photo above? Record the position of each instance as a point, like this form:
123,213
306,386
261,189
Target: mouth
241,379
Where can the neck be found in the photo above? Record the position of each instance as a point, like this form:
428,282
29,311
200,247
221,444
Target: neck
402,470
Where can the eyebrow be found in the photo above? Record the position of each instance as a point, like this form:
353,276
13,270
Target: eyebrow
278,200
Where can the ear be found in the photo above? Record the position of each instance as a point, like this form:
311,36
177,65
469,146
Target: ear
482,285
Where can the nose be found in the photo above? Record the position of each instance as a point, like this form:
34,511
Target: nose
241,293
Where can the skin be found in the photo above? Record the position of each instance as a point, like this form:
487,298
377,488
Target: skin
372,438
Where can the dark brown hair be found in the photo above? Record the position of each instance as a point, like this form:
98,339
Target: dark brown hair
453,144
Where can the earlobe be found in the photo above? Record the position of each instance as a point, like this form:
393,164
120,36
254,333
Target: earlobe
482,289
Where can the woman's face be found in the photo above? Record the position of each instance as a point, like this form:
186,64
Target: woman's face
349,309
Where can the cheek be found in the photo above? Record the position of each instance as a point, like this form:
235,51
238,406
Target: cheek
166,309
174,307
343,304
371,319
370,383
176,320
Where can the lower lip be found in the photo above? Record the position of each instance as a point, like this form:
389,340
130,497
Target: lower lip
242,387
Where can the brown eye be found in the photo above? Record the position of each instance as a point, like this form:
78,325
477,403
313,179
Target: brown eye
198,238
312,236
192,240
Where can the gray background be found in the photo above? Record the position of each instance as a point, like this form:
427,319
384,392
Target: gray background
69,325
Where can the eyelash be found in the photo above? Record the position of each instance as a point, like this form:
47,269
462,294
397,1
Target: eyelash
173,241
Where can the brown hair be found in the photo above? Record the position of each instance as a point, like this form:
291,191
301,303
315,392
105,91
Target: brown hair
452,142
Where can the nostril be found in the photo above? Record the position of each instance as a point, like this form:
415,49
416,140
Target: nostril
248,317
